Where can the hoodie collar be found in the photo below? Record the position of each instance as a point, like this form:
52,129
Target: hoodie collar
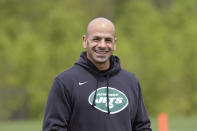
89,66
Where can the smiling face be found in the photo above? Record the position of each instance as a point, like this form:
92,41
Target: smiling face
100,42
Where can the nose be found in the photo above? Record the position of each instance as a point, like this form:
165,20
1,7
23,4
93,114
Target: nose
102,44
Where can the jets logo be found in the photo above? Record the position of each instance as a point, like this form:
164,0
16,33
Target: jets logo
117,100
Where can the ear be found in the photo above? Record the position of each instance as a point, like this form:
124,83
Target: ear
84,39
115,43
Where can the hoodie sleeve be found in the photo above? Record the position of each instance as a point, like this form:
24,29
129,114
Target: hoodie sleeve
141,122
58,109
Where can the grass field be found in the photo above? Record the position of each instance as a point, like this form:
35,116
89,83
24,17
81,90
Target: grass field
178,124
175,124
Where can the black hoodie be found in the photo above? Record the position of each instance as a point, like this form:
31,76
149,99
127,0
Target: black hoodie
84,98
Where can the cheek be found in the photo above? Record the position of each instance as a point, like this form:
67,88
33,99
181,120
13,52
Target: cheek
111,46
92,45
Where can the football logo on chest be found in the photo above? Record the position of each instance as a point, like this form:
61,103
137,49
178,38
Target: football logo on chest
117,100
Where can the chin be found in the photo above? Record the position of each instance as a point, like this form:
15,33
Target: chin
100,60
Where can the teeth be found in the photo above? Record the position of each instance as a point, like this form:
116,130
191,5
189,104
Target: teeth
101,52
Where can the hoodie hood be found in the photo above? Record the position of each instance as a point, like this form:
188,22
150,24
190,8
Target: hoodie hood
90,67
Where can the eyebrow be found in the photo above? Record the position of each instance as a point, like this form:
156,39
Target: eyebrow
93,37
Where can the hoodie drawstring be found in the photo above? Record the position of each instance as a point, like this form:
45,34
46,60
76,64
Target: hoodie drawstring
93,104
107,92
108,110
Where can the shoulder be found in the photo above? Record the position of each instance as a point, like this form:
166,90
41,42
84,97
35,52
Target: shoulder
68,76
67,73
74,71
71,75
129,79
128,75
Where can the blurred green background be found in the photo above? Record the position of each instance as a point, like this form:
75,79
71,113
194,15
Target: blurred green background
156,40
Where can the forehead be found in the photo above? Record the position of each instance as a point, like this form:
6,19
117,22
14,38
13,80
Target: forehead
101,35
101,28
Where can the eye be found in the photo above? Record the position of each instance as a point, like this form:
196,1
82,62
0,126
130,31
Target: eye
108,40
95,39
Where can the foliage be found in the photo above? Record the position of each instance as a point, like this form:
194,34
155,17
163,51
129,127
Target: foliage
40,39
162,49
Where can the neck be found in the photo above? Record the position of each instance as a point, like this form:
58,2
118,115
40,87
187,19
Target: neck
102,66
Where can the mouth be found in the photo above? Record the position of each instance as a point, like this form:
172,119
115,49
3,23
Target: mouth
101,52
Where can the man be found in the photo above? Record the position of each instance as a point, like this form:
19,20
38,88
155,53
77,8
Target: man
96,94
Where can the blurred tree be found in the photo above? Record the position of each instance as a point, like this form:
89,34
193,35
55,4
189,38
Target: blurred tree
35,45
40,39
157,43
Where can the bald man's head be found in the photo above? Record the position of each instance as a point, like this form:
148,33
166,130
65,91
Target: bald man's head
100,24
100,42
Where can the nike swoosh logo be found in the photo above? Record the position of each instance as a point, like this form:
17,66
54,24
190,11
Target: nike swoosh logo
81,83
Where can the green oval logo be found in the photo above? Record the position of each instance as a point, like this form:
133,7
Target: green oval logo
117,100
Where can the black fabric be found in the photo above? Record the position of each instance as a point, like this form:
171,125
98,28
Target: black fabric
89,66
68,107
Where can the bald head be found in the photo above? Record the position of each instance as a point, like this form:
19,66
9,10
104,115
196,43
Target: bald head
100,42
100,24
